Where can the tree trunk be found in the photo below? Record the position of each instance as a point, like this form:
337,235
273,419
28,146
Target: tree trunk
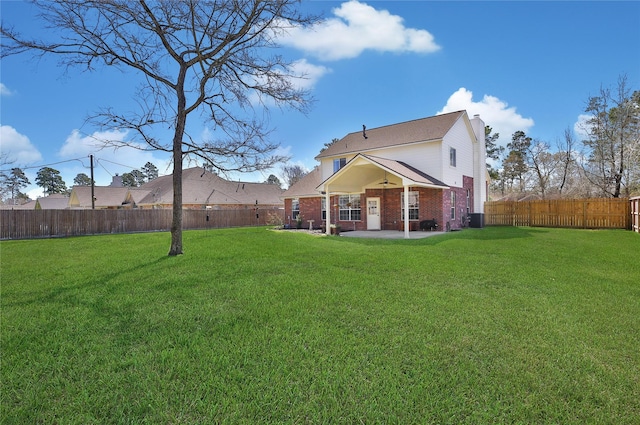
181,121
176,222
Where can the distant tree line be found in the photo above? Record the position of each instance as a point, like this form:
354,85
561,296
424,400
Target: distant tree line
14,180
606,163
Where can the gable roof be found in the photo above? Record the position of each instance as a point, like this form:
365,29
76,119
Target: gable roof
366,171
404,170
420,130
105,196
56,201
206,188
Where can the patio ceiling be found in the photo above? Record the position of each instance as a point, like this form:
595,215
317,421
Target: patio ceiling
369,172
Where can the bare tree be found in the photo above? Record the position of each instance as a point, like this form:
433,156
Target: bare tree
565,153
196,57
292,174
613,134
542,163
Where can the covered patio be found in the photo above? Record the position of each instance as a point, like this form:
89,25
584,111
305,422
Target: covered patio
365,172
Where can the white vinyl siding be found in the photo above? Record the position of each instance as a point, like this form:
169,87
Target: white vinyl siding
458,139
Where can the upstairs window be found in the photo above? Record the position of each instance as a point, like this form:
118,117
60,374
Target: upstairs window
452,157
349,207
414,210
339,163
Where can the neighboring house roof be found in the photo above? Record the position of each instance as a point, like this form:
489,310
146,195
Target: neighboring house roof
138,194
206,188
306,186
26,206
105,196
420,130
57,201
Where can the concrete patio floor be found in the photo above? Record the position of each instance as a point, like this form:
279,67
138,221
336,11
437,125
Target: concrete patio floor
387,234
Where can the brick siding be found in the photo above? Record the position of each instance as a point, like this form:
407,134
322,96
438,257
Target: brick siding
434,204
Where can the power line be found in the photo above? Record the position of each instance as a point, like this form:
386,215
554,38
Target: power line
46,165
122,165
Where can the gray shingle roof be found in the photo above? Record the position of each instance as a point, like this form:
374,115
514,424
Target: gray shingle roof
56,201
420,130
106,196
200,187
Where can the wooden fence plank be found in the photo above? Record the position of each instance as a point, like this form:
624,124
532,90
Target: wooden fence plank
593,213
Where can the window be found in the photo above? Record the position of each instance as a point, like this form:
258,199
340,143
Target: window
349,207
295,208
339,163
452,157
414,209
453,205
468,201
323,207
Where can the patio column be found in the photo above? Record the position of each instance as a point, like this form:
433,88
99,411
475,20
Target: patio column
406,212
327,204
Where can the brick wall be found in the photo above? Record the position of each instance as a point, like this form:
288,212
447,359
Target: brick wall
430,202
310,209
461,203
434,204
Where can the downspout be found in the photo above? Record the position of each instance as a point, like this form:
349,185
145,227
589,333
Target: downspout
406,211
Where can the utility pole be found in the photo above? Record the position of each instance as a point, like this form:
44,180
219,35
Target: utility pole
93,198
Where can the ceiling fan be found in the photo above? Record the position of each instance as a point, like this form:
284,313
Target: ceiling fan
386,180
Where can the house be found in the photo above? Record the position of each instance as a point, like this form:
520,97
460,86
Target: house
56,201
202,189
435,166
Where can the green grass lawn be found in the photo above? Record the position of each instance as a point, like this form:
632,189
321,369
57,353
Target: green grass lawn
493,325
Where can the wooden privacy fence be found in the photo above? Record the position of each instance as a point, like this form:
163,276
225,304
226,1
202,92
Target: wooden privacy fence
605,213
28,224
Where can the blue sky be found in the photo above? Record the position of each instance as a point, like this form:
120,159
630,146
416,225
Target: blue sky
521,65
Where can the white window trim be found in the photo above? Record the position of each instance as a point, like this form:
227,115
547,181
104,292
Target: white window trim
453,205
295,211
349,208
416,208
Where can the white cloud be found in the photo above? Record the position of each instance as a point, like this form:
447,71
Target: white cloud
355,28
4,90
17,147
581,126
301,74
84,145
494,112
108,161
307,74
